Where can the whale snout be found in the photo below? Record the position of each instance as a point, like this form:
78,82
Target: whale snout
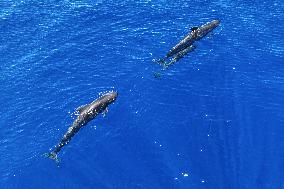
112,96
216,22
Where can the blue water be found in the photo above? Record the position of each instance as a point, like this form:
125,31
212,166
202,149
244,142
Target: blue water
214,120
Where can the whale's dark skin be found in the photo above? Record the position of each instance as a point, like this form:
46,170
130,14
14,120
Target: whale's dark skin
186,44
179,55
86,114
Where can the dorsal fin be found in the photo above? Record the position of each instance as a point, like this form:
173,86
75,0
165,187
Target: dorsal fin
82,108
194,28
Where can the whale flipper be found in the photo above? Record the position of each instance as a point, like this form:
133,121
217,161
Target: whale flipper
105,112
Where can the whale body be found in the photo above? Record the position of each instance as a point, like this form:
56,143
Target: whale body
186,44
86,114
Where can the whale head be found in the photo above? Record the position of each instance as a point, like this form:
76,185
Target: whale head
89,111
106,99
215,22
203,30
109,97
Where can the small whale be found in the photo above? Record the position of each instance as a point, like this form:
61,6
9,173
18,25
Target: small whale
179,55
186,44
86,113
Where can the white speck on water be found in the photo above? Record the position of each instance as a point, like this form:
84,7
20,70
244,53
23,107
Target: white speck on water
208,135
14,175
185,174
175,178
160,145
178,154
203,181
201,150
234,68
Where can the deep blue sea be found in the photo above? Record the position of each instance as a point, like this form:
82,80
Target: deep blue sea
213,120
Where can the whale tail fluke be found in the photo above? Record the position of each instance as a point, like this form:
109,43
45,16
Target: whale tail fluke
53,156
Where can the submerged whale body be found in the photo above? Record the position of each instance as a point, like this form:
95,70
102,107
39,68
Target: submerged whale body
186,45
86,114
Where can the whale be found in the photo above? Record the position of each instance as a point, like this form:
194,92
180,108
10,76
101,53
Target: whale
85,113
186,45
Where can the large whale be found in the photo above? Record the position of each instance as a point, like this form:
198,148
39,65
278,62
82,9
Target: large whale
86,113
186,44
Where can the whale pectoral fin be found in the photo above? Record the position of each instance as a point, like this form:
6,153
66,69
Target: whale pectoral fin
105,112
194,28
82,108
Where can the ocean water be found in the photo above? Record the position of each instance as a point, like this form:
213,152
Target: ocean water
213,120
